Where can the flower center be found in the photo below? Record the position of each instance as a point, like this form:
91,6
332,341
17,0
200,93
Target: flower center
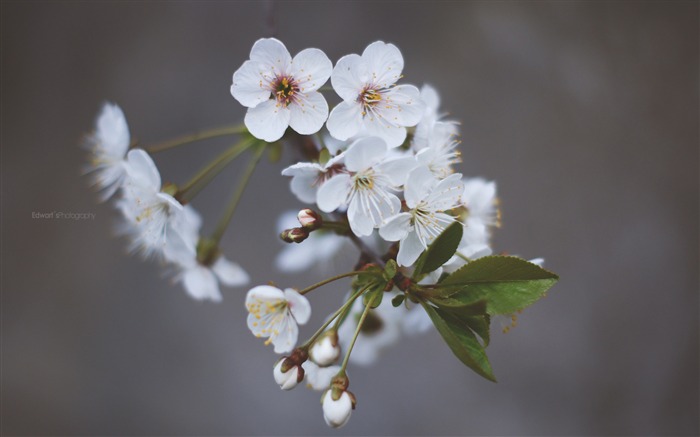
369,97
285,89
364,181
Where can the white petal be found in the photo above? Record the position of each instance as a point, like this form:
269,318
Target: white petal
361,222
385,63
431,98
409,250
303,186
249,86
263,293
229,273
397,169
345,120
267,121
302,168
272,54
333,193
299,305
349,77
309,113
447,194
364,153
112,132
286,338
406,107
394,136
419,183
142,170
200,283
396,228
311,68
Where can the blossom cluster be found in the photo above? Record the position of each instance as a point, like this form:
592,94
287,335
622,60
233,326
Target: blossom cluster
378,179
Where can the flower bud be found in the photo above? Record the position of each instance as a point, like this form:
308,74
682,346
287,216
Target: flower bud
294,235
309,219
287,376
336,413
325,350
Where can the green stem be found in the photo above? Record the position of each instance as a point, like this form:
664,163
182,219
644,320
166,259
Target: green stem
354,337
200,180
327,281
333,317
336,225
202,135
245,178
459,254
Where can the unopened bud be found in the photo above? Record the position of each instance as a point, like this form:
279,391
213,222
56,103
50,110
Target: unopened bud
336,413
287,377
309,219
294,235
325,350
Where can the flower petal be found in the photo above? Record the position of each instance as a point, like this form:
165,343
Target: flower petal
267,121
112,132
406,107
299,305
229,273
349,77
396,228
385,63
419,184
142,170
309,113
447,194
201,284
397,169
249,86
364,153
272,54
409,250
311,68
394,136
333,193
360,220
345,120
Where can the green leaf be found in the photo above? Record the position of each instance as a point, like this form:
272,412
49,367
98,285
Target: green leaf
455,306
390,270
461,340
480,325
507,283
398,300
440,251
373,296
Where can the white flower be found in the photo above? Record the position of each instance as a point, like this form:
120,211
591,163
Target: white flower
319,378
371,101
151,215
366,190
308,176
280,91
275,314
318,250
108,145
325,351
439,153
337,413
289,379
431,119
382,328
427,198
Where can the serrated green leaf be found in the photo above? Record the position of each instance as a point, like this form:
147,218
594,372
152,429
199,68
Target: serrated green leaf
440,250
476,308
508,283
461,341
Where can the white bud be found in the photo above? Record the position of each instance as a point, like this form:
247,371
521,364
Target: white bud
337,413
309,219
286,380
324,352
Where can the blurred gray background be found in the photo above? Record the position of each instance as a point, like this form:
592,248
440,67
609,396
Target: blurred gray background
585,113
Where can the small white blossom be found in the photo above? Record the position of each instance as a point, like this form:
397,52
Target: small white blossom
431,119
371,101
427,198
307,177
151,215
367,188
280,91
275,314
337,413
108,146
289,379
